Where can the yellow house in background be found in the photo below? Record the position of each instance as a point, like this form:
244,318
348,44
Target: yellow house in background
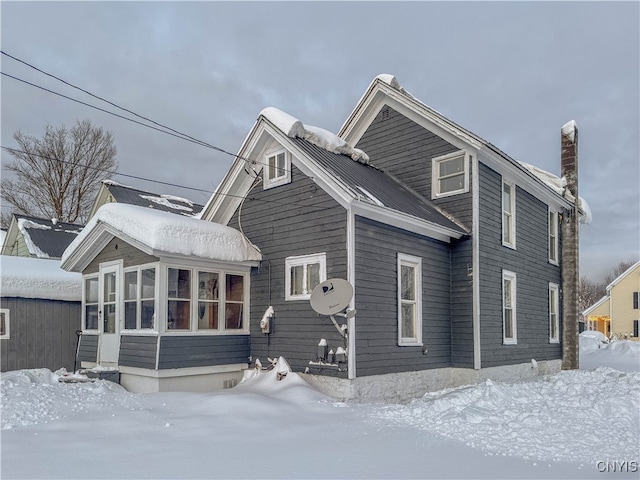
618,312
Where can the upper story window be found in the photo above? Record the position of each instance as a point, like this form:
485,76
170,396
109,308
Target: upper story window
4,323
508,214
449,174
90,293
554,308
277,169
139,298
509,325
303,274
409,300
553,237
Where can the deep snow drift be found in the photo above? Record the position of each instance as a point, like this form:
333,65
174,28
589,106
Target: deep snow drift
576,424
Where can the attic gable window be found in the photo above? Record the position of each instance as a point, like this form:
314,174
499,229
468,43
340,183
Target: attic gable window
277,169
449,174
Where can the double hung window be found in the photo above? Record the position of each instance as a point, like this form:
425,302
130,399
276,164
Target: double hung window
553,237
139,298
509,325
91,303
450,174
554,322
178,299
409,300
508,215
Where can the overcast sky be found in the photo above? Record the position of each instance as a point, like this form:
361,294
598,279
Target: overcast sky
511,72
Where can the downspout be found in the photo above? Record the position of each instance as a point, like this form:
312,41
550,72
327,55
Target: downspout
570,248
351,277
475,253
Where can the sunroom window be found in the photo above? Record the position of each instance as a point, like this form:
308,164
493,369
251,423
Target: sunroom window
208,300
178,299
234,302
139,298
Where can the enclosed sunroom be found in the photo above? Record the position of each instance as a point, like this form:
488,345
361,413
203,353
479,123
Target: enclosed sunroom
165,299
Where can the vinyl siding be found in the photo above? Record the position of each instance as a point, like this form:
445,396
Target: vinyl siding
182,351
529,261
118,249
138,351
376,250
289,220
88,348
42,334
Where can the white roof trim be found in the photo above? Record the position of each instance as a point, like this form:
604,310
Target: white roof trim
622,276
596,305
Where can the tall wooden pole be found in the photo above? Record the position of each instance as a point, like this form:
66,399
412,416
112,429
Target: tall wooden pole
570,249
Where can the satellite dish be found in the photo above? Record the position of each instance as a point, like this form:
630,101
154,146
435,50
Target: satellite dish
331,296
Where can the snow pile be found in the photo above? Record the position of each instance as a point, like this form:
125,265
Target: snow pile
170,233
592,340
167,201
578,416
569,130
622,355
294,128
559,185
33,397
28,277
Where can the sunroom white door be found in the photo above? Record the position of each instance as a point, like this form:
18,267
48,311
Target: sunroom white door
109,310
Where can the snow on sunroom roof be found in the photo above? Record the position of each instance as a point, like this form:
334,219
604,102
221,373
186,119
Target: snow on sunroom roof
294,128
170,234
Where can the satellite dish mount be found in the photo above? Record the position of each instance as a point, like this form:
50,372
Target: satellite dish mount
332,297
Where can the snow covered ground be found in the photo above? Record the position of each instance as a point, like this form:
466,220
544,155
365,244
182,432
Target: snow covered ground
576,424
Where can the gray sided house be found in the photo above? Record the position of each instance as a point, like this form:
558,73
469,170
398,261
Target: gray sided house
452,247
40,308
165,298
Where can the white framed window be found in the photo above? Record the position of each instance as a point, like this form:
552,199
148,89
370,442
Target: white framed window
409,300
139,298
508,215
509,324
90,294
554,308
450,174
303,273
207,301
277,169
553,237
5,324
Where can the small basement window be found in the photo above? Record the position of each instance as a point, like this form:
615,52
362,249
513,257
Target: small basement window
277,169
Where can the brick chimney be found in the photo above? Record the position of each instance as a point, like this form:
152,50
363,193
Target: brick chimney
570,248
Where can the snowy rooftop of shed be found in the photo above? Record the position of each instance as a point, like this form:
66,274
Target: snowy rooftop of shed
28,277
160,233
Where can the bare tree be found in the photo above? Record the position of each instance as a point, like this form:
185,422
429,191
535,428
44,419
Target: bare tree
58,175
619,270
589,292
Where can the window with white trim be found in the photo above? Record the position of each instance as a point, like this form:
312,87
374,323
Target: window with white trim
508,214
91,306
449,174
277,169
139,298
207,301
509,325
5,329
553,237
554,318
409,300
303,274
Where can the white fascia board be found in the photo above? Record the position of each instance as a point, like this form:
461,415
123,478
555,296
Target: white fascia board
198,262
96,240
404,221
524,179
596,305
624,275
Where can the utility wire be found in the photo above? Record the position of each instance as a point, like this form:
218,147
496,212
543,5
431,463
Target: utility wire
166,130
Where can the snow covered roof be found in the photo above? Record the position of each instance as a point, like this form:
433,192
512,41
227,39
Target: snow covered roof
28,277
125,194
159,233
294,128
43,238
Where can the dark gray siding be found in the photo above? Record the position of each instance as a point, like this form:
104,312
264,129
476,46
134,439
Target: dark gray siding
202,350
118,249
88,348
294,219
533,273
462,303
138,351
404,149
42,334
377,350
